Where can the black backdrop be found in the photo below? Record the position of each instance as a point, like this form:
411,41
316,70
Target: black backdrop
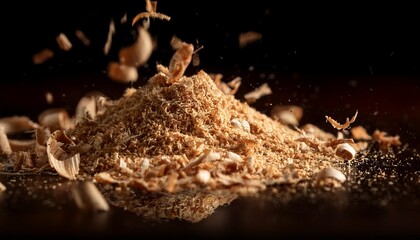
344,38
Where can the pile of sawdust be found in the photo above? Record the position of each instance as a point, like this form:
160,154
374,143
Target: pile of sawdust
190,136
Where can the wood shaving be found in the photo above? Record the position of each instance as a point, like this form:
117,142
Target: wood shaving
179,61
316,132
259,92
55,119
17,124
345,151
151,8
385,141
88,197
67,165
287,114
108,42
82,37
229,88
360,133
4,143
63,42
139,52
339,126
42,56
247,38
2,187
121,73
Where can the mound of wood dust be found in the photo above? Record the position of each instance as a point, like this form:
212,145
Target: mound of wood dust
189,141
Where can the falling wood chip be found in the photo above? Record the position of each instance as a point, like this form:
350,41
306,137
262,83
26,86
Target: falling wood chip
42,56
82,37
247,38
139,52
121,73
2,187
259,92
63,42
339,126
111,32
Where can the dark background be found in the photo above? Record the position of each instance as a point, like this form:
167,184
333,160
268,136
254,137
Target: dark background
310,38
332,59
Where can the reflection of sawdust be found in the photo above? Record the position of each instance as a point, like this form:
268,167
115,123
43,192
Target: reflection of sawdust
188,205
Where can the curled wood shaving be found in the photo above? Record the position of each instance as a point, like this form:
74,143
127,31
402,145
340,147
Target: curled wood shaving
330,173
180,60
259,92
21,145
65,164
229,88
139,52
4,143
345,151
160,16
339,126
151,7
17,124
2,187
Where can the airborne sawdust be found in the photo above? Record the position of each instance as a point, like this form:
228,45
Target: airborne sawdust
158,137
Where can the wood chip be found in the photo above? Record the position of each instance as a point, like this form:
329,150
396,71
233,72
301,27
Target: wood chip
17,124
63,42
180,60
55,119
42,56
139,52
82,37
22,145
287,114
385,141
345,151
339,126
330,173
247,38
259,92
2,187
89,198
4,143
360,133
111,32
121,73
67,165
